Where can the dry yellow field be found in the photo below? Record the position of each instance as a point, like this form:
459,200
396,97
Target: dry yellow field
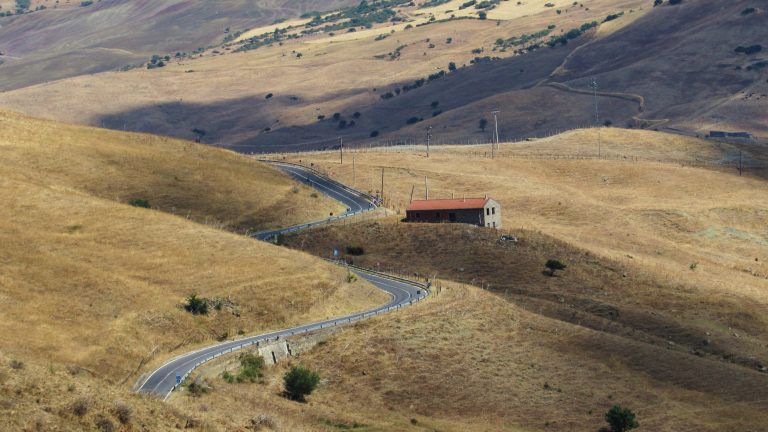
469,360
666,217
91,283
198,182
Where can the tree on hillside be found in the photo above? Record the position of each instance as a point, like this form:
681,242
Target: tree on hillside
300,382
196,305
554,265
621,419
483,123
451,66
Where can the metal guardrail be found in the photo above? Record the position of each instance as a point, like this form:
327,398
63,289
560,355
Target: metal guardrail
326,221
368,196
346,320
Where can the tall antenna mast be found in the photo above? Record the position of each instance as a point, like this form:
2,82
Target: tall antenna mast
495,144
597,117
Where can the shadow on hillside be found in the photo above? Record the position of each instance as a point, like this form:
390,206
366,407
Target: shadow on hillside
451,105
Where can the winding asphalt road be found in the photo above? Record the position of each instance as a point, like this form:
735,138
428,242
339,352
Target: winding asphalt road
356,202
166,378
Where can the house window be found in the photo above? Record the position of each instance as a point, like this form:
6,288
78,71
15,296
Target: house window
493,210
487,212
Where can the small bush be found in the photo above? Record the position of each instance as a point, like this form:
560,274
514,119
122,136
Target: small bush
554,265
413,120
374,134
752,49
196,305
263,421
355,250
104,424
300,382
139,202
123,412
16,364
621,419
198,389
268,96
80,407
252,366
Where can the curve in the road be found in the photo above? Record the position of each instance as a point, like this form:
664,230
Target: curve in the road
167,377
355,201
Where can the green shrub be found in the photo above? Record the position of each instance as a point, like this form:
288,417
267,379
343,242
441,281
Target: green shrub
139,202
554,265
300,382
251,368
355,250
621,419
196,305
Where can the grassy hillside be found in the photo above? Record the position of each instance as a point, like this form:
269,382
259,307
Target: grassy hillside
93,285
633,56
64,41
470,360
224,90
200,183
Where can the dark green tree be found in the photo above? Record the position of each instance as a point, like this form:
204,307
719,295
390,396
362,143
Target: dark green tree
554,265
483,123
300,382
196,305
621,419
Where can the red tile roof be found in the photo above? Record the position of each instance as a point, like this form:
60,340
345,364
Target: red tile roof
448,204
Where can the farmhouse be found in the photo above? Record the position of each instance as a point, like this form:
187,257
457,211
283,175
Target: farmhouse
483,212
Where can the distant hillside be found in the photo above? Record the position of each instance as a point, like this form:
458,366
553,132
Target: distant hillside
63,41
376,75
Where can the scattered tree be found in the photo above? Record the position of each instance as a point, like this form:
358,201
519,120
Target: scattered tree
482,124
621,419
196,305
300,382
554,265
452,66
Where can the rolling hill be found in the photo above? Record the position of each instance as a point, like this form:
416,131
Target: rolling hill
253,94
64,41
93,288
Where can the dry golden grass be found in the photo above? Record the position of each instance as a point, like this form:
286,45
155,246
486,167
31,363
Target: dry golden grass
665,216
42,396
241,80
198,182
471,361
468,360
98,283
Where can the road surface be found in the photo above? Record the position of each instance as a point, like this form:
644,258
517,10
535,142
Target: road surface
356,202
166,378
163,380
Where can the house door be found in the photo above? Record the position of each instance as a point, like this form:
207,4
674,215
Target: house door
452,217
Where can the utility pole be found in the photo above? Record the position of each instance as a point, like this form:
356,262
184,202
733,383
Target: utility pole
341,149
429,137
496,122
741,166
413,189
354,174
597,118
426,188
382,186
